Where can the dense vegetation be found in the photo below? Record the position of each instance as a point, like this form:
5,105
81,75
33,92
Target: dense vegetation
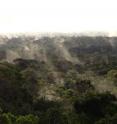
58,80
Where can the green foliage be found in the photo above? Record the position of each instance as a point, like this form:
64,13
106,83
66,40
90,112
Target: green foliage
53,116
108,120
23,84
71,118
112,75
7,118
28,119
96,106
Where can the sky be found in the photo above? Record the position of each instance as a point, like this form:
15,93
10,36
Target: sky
64,16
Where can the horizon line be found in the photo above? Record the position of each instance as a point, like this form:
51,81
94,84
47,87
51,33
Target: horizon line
84,33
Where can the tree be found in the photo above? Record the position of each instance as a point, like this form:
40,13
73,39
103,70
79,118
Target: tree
5,118
27,119
96,106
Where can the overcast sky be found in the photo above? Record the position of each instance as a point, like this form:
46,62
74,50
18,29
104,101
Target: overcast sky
58,16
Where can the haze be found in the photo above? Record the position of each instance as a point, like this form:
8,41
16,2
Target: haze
58,16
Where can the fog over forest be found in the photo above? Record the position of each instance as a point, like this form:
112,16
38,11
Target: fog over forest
58,78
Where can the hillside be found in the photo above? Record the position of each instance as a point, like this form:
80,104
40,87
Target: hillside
58,79
78,51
